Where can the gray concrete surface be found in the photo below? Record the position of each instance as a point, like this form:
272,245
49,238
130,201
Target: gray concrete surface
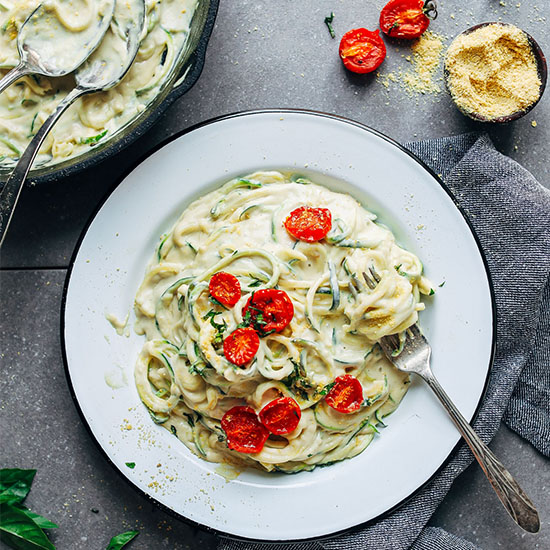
262,54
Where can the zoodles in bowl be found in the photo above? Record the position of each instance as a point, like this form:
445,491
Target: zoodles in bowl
260,349
27,103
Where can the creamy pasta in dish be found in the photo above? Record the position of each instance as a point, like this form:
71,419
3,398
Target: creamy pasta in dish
26,104
261,332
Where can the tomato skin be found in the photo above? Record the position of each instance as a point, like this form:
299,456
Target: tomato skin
225,288
241,346
362,51
404,18
309,224
281,416
274,306
244,432
346,396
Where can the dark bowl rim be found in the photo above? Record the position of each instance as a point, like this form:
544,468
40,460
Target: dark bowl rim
121,178
542,70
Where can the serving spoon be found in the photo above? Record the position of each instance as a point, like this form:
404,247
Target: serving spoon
54,58
99,73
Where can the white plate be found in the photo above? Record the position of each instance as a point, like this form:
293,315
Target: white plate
109,265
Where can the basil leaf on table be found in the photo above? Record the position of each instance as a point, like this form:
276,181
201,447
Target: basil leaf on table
41,521
15,484
19,531
122,540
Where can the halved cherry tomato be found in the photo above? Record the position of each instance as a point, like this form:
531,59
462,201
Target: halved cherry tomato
405,18
281,416
309,224
269,310
346,395
241,346
243,430
225,288
362,51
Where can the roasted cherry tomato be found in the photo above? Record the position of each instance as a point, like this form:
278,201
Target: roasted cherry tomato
346,395
406,18
225,288
281,416
362,51
309,224
243,430
241,346
269,310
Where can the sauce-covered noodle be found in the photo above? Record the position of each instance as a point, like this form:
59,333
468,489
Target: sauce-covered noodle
182,375
27,103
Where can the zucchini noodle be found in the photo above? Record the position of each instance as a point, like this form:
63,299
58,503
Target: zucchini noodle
96,117
182,375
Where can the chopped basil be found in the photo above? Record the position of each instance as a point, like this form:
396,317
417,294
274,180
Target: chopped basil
119,541
432,292
328,22
131,465
442,284
92,140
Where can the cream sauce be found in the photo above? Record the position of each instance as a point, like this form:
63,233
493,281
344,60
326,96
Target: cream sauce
182,375
26,104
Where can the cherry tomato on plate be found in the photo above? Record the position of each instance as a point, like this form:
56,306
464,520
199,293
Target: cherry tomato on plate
269,310
309,224
406,18
362,51
281,416
225,288
243,430
241,346
346,395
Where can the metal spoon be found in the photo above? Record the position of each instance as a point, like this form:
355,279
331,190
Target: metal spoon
52,57
100,72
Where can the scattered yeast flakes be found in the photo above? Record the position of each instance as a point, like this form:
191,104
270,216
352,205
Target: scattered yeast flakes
426,59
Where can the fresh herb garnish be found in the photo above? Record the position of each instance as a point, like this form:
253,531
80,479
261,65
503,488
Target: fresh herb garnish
328,22
442,284
216,303
432,292
92,140
190,419
297,381
19,527
131,465
220,327
327,388
119,541
173,430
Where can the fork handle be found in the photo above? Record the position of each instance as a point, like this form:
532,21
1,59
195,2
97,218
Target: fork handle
512,496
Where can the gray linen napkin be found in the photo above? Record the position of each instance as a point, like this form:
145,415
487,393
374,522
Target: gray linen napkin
510,212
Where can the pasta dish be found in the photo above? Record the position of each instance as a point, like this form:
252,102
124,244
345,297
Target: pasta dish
26,104
261,332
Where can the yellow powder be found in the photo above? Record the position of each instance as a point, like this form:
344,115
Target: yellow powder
425,62
492,71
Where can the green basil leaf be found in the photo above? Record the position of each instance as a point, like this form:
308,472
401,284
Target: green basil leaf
41,521
121,540
15,493
19,531
11,476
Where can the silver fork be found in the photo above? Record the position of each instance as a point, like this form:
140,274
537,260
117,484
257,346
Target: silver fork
414,356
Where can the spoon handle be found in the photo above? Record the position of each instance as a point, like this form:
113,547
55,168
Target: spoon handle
15,74
512,496
12,188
